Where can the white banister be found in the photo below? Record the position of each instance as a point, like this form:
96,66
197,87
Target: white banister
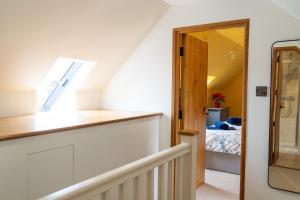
150,185
180,160
170,190
178,178
124,191
162,183
105,195
189,171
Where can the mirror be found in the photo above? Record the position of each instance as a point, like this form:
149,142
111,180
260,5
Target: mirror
284,144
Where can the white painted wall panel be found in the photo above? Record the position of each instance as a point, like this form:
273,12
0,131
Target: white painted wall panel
96,150
49,171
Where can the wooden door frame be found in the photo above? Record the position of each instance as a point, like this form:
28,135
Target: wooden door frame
175,83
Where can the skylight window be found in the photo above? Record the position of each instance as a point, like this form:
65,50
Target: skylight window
57,92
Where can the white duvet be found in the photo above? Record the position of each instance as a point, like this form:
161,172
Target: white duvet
224,141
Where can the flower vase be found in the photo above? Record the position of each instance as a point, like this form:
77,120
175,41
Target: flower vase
217,104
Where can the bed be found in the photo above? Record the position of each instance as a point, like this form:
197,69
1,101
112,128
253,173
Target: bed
223,150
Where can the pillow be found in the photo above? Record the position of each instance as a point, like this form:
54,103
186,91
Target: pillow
221,125
234,127
235,121
212,127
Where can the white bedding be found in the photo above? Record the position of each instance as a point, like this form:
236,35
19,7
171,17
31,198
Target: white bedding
224,141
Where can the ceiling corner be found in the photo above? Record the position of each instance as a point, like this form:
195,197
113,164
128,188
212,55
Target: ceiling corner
290,6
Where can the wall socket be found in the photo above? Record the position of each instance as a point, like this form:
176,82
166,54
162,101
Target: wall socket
261,91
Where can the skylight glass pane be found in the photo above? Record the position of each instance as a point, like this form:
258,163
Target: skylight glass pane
64,78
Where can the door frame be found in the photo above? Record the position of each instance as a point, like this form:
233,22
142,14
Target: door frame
176,79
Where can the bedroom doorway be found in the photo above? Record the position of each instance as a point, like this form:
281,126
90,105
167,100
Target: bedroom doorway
211,60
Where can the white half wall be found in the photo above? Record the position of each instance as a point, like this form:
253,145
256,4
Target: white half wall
32,167
144,82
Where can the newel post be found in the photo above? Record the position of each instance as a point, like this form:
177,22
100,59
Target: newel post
189,171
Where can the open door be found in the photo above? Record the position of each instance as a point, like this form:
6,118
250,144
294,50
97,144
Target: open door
193,94
187,91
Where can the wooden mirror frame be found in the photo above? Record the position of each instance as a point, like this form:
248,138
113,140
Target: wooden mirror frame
273,84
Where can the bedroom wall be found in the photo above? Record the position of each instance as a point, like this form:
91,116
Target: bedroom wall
144,82
225,63
233,92
225,56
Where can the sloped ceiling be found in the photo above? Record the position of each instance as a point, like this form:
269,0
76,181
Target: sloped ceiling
234,34
291,6
35,33
178,2
225,54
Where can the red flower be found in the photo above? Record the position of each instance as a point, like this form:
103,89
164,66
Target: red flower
218,97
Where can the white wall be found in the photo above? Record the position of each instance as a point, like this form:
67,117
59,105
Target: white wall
291,6
34,34
144,82
24,102
17,102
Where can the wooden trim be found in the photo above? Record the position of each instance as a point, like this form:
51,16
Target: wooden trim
188,132
177,42
212,26
272,105
290,48
174,118
244,112
34,125
174,103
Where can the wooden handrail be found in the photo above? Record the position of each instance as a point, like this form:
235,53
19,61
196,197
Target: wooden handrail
188,132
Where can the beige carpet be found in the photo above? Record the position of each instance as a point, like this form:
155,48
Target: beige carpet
219,186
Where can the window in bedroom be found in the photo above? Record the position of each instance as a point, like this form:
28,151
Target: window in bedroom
210,79
57,92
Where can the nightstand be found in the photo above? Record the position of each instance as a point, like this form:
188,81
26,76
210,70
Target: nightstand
216,114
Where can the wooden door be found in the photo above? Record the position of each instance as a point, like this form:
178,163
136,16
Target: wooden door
194,94
278,106
275,106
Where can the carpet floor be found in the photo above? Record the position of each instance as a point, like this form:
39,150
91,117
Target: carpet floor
219,186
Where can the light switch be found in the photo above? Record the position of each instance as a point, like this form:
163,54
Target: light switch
261,91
